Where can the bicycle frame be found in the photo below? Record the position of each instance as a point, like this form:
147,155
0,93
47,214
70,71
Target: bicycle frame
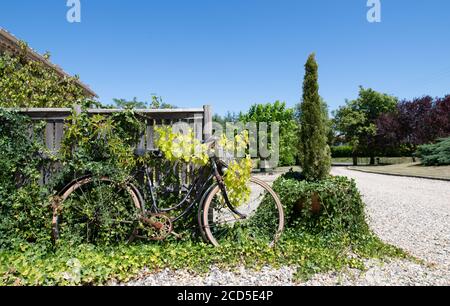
200,187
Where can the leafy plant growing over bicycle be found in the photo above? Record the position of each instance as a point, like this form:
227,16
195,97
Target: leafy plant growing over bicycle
119,194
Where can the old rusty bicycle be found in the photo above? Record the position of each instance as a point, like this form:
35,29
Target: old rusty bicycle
142,208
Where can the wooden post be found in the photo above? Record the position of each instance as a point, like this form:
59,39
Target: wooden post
77,109
207,122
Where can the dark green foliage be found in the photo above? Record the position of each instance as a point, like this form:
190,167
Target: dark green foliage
157,103
23,209
123,103
347,151
97,145
315,157
342,210
341,217
437,154
357,120
230,117
34,264
315,244
342,151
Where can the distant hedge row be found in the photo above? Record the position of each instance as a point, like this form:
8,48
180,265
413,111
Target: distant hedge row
347,151
342,151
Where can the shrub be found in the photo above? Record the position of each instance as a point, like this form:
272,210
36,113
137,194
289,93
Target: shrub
342,151
23,211
437,154
342,210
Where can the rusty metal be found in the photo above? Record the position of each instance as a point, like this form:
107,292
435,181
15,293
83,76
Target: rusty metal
57,208
155,226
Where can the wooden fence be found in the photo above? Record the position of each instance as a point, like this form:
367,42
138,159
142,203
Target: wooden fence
199,119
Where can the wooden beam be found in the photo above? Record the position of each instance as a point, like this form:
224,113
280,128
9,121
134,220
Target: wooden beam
207,122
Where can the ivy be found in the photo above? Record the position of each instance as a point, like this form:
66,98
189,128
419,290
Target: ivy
28,83
100,143
23,209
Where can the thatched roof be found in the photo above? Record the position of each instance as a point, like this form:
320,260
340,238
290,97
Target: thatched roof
10,43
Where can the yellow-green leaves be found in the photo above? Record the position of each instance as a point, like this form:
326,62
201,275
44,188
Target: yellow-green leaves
184,147
188,149
236,180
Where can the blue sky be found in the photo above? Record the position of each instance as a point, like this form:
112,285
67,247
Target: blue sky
234,53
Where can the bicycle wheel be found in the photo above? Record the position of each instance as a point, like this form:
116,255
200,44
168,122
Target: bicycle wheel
264,216
96,210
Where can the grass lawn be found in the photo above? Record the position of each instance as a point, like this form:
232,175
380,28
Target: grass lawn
409,169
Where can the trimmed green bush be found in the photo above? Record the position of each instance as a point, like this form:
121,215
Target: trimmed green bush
437,154
342,151
341,206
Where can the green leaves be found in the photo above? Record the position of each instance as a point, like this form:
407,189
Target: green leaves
27,83
22,206
356,120
107,141
278,112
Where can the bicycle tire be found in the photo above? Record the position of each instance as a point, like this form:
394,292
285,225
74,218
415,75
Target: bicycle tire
205,222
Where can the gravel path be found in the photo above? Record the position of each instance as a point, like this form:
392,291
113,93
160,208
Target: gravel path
411,213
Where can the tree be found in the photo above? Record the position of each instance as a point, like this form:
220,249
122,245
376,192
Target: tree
157,103
123,103
331,133
414,123
357,120
277,112
231,117
315,155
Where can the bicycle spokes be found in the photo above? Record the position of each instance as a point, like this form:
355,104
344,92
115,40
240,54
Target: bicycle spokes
260,217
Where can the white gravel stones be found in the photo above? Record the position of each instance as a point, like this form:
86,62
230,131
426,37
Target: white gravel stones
411,213
216,277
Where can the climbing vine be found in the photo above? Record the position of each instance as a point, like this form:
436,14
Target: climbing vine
28,83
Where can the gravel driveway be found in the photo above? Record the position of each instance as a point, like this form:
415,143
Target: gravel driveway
411,213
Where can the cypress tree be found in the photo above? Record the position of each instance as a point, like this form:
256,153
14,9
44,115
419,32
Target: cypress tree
315,156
